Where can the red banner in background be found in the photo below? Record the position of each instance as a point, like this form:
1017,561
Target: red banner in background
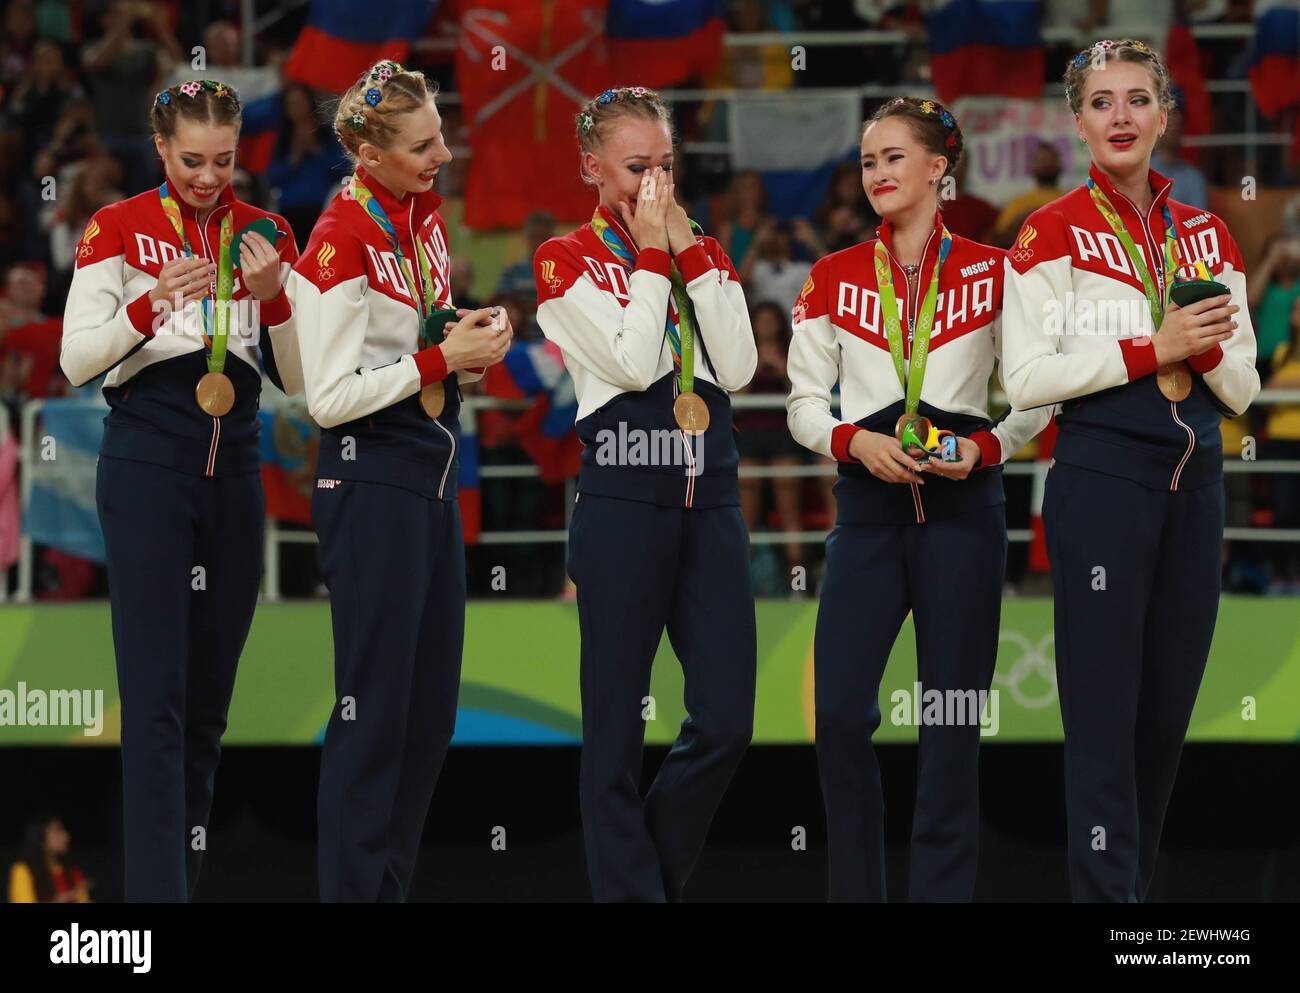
524,68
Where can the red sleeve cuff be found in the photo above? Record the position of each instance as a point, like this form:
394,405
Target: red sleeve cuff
432,365
1139,356
277,310
655,260
841,438
990,448
1206,361
140,313
693,263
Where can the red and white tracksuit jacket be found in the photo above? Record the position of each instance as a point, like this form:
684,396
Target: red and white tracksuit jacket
359,331
155,358
610,326
839,338
1077,329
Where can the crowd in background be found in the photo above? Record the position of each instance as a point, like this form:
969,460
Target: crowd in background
76,81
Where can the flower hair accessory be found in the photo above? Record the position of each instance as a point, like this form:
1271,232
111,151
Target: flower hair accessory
357,121
585,124
382,72
191,89
373,97
609,96
638,92
164,97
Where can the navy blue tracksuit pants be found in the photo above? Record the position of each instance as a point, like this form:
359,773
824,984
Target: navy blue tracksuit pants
394,562
177,633
1136,575
949,574
638,568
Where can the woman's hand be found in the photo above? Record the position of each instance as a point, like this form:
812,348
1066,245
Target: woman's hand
963,467
259,266
1194,329
648,226
884,457
190,279
477,340
680,235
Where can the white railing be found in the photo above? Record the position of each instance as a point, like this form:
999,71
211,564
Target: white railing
277,535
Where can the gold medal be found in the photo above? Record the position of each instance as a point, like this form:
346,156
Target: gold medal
433,398
215,394
691,413
1174,380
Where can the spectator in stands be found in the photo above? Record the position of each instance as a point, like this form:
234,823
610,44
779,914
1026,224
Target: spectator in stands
967,215
1284,443
71,140
17,42
844,214
42,875
41,94
462,285
14,200
225,62
29,339
517,279
745,209
769,273
763,438
1274,289
122,70
1189,181
96,183
754,67
308,165
1046,172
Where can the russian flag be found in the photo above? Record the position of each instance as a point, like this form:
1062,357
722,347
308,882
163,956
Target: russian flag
288,443
535,369
467,482
344,38
795,139
1275,56
257,135
985,47
660,42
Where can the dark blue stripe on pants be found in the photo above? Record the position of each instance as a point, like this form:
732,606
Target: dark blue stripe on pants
1129,659
949,574
395,565
638,568
177,649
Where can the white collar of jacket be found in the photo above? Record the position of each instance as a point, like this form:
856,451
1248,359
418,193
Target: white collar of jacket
1133,219
393,206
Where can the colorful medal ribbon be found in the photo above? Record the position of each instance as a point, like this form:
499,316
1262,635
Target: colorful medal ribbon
424,296
680,339
218,301
1157,299
910,376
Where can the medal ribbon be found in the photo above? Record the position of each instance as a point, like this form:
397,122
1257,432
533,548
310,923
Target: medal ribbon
1156,298
218,298
910,376
681,333
424,296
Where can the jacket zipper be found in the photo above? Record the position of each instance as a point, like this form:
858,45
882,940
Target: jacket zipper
419,288
910,308
1164,278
